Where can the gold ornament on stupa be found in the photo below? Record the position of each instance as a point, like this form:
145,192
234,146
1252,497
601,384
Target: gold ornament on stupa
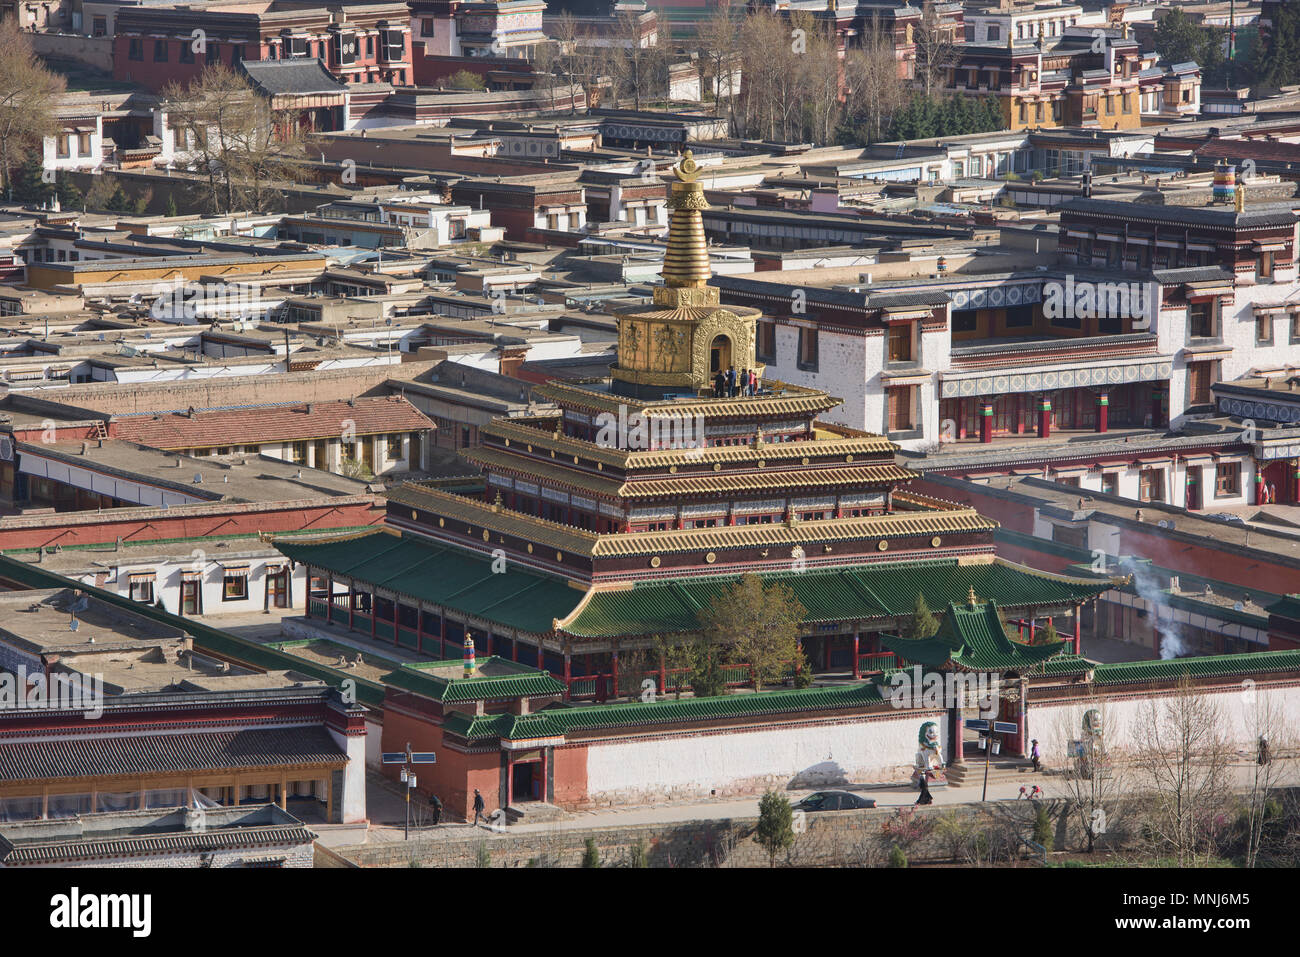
679,343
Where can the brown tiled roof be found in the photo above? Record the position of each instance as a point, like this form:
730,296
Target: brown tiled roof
106,756
284,423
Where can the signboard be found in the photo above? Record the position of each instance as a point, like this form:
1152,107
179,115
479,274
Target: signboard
977,724
424,757
1005,727
394,757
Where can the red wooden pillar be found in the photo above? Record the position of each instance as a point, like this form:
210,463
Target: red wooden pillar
514,647
1103,411
1259,486
1078,636
663,675
961,418
857,672
541,657
1295,479
613,667
986,420
1032,622
546,796
568,674
1044,417
510,779
487,651
1192,496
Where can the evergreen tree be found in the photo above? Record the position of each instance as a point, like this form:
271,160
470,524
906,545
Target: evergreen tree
591,855
775,831
922,624
1278,58
171,205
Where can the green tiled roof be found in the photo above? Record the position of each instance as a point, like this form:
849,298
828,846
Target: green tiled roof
555,722
526,683
440,575
973,638
1286,607
1211,666
862,592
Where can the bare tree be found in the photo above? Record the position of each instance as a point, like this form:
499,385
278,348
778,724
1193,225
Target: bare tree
234,139
29,94
718,37
1090,778
573,57
1275,739
1184,757
546,57
637,65
934,48
874,89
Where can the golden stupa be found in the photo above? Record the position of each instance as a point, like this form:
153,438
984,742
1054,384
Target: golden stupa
680,342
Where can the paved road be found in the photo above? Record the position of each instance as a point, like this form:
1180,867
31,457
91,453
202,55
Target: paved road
388,811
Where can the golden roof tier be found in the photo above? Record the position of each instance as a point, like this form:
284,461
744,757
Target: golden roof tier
680,342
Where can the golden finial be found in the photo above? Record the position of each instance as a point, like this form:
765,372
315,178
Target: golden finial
687,170
497,502
972,599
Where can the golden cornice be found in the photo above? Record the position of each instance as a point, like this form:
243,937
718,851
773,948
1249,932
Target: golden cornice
793,400
471,517
516,433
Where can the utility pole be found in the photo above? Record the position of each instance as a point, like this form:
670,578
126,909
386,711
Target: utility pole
406,759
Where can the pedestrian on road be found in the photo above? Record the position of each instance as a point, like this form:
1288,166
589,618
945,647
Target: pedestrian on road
926,797
435,806
478,808
1037,792
1036,756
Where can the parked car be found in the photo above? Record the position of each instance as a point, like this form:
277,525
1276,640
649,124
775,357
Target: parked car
834,801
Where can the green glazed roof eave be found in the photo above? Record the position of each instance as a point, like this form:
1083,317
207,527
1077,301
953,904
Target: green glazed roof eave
453,578
857,593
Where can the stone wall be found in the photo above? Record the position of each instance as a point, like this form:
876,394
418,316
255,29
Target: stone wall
832,839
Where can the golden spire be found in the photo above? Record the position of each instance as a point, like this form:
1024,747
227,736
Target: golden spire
686,260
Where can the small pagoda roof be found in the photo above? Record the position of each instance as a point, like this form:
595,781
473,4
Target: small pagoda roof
494,679
972,638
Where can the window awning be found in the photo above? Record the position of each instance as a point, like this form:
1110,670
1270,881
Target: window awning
1269,247
147,575
189,575
235,571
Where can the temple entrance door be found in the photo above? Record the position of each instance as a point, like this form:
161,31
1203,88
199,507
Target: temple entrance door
719,354
190,597
526,780
1276,476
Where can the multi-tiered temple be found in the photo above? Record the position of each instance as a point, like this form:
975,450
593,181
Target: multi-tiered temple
614,518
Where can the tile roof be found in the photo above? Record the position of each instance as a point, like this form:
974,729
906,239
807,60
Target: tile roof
974,639
442,575
527,683
863,592
556,722
155,754
258,426
1224,217
291,77
1210,666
